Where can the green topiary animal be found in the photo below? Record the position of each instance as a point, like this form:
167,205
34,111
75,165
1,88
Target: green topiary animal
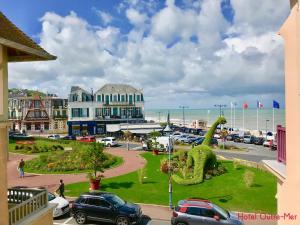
201,157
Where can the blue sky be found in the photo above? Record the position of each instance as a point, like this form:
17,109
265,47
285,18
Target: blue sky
195,52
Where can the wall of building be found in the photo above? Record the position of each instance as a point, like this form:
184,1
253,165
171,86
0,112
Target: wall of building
288,192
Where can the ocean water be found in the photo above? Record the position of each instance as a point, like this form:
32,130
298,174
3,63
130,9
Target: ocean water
265,117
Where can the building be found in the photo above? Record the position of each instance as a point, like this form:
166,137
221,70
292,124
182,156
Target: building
89,113
36,113
198,124
15,46
286,168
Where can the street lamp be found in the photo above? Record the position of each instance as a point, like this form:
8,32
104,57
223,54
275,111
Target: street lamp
127,130
220,106
183,115
168,132
267,128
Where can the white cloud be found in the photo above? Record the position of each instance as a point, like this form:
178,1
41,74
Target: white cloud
136,18
159,56
105,17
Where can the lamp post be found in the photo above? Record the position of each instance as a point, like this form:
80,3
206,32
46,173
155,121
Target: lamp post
183,114
168,132
127,130
267,128
220,106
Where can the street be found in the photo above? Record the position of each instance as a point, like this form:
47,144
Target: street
66,220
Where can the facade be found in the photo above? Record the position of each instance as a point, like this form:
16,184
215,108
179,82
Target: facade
15,46
38,114
287,167
198,124
89,113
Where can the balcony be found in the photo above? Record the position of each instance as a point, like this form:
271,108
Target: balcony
278,167
116,103
114,117
24,203
15,117
60,117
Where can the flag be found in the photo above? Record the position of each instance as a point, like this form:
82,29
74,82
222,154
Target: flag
275,104
259,105
245,105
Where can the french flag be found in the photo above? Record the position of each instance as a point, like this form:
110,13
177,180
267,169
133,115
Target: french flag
259,105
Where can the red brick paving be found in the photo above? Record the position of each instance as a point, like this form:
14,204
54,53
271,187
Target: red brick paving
132,162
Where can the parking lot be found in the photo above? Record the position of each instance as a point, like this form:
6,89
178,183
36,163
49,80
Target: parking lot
67,220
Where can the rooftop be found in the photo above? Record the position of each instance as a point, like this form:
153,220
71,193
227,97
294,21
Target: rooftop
20,47
118,88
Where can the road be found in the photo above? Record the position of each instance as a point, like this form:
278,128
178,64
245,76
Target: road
66,220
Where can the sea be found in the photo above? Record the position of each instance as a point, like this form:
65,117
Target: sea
265,117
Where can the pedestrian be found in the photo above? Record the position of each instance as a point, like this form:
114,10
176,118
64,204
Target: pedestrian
61,189
21,168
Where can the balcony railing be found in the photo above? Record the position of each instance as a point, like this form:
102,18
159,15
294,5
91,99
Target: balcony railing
114,103
281,147
25,202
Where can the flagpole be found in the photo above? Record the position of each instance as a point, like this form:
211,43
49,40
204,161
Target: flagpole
243,118
256,118
234,115
230,116
273,120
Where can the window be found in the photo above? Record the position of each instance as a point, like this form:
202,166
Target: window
115,98
122,98
37,104
79,112
207,213
194,211
98,98
98,202
138,98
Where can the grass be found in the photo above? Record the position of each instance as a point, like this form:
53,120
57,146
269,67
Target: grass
228,190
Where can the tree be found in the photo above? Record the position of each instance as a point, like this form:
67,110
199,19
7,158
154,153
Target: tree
95,158
127,135
154,135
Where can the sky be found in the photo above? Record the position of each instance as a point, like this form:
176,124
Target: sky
195,53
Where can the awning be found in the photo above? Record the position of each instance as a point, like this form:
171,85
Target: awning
142,131
113,127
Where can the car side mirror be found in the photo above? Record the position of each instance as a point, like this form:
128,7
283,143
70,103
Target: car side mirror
217,218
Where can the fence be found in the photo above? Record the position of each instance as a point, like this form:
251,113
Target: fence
25,202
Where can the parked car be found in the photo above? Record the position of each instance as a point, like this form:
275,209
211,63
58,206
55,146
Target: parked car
231,137
176,134
181,138
62,205
108,141
190,139
266,143
69,137
105,207
238,139
197,211
19,136
54,136
87,139
249,139
259,141
199,141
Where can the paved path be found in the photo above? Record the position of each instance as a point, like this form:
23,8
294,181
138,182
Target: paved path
132,162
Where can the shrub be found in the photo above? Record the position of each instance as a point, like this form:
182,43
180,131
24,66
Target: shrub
16,147
236,164
249,178
141,175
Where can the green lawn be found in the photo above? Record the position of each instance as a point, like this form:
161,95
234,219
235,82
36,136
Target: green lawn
227,190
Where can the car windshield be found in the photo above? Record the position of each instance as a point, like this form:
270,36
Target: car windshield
51,196
247,136
223,212
113,139
116,201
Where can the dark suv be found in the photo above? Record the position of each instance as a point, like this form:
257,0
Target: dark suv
105,207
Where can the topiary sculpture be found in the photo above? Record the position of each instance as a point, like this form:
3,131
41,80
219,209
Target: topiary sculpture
201,158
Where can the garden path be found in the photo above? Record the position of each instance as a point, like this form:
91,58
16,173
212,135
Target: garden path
132,161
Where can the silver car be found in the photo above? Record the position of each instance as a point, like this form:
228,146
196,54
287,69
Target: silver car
197,211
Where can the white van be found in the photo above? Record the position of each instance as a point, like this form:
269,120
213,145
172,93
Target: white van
165,142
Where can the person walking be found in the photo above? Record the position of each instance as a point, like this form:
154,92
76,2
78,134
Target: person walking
21,168
61,189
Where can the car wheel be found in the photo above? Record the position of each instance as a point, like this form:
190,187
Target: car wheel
181,223
108,145
80,218
122,221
